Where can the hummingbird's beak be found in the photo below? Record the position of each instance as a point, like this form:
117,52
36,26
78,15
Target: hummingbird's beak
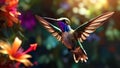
50,18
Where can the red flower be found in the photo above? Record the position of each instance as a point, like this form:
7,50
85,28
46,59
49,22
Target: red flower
8,18
9,13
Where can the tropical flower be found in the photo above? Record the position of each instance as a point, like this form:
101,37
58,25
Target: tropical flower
8,11
5,16
11,7
16,53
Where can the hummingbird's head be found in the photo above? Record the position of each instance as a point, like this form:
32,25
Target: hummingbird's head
62,22
64,19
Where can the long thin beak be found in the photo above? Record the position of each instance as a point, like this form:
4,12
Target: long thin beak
50,18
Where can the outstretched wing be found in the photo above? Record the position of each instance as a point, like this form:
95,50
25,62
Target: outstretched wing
83,31
55,31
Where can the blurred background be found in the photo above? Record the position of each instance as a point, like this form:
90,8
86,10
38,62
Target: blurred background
102,46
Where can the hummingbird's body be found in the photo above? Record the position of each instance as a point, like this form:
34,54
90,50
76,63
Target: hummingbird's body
67,39
71,42
72,38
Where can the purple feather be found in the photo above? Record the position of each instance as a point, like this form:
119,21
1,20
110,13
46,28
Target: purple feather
63,26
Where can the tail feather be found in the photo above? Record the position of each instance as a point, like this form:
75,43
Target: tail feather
79,54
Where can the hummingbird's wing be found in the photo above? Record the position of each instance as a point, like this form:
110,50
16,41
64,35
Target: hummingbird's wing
55,31
83,31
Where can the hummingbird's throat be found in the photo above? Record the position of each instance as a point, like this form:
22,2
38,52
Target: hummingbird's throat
64,27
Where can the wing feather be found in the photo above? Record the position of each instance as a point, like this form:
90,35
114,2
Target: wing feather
83,31
56,32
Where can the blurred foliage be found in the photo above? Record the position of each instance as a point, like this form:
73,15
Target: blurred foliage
102,47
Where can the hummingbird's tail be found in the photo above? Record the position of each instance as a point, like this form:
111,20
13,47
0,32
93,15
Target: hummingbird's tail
79,54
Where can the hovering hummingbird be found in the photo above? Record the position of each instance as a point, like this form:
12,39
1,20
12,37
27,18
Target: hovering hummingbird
72,39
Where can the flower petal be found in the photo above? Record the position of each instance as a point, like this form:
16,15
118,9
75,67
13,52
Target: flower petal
12,57
26,62
33,46
5,46
16,44
24,56
4,51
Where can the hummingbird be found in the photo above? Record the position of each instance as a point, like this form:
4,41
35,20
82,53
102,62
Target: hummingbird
72,38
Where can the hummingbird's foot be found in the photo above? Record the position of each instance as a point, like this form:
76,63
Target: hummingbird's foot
84,59
79,55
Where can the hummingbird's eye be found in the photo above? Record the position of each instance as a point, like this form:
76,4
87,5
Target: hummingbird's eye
64,21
